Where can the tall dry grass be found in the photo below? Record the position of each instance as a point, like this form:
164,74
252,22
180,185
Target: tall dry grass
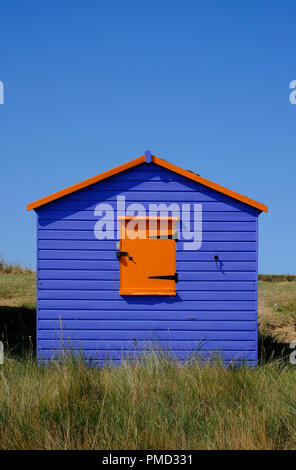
13,268
157,404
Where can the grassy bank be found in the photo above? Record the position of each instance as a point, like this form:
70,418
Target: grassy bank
277,277
277,310
159,406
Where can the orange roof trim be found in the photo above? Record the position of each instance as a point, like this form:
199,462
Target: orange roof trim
138,161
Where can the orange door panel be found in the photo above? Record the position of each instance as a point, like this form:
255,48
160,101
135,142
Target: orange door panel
148,262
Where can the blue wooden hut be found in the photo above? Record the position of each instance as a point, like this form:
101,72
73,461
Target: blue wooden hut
147,254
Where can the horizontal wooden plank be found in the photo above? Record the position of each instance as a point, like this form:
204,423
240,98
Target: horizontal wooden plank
56,294
114,358
78,254
114,285
144,326
198,255
87,200
96,346
81,274
181,255
139,339
152,314
136,303
162,176
58,219
208,205
145,170
81,225
183,236
112,245
90,235
114,265
154,184
158,174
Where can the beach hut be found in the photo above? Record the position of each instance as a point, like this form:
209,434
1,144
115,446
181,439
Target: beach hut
147,255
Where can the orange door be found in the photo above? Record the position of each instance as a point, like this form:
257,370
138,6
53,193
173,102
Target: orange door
147,262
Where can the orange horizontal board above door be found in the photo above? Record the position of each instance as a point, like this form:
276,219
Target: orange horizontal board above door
132,217
134,291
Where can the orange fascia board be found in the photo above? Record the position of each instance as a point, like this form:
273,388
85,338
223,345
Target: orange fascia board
157,161
85,183
210,184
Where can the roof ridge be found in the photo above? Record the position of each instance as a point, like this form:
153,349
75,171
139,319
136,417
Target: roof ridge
137,161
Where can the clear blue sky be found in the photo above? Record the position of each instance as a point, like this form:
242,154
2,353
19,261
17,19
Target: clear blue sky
90,84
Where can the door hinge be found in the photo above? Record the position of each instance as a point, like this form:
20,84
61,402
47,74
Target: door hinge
121,253
173,277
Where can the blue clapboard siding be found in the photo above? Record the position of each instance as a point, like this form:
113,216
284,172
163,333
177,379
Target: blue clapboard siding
208,237
182,256
155,325
118,315
113,265
95,294
51,221
134,303
85,225
123,315
196,286
114,276
115,356
215,310
111,245
87,207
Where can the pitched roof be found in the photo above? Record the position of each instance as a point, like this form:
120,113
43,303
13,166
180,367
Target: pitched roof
137,161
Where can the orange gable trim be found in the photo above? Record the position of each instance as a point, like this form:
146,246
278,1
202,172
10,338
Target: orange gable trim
138,161
210,184
85,183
